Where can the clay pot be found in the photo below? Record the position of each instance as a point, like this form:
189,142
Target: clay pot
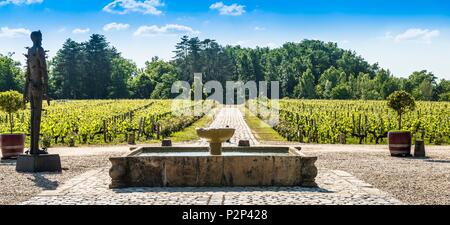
12,145
400,143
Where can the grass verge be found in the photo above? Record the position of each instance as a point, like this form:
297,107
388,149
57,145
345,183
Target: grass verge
261,130
189,133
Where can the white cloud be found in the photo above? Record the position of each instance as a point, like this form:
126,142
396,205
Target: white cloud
414,34
80,31
13,32
20,2
138,6
259,28
387,36
115,26
229,10
164,30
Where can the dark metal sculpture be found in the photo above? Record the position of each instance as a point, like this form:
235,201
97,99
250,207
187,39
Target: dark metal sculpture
36,87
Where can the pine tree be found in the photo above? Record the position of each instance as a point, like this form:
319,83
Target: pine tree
67,71
98,67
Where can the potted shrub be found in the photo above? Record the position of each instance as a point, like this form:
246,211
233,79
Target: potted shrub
400,140
12,145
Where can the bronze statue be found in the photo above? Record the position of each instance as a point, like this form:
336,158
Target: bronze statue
36,86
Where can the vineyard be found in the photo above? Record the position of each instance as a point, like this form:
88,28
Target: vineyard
360,122
307,121
109,121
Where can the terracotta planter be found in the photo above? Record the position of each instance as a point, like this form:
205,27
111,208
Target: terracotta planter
400,143
12,145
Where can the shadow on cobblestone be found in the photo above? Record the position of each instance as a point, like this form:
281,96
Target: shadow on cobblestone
220,189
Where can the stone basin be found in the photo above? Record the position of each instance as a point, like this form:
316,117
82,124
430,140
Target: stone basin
215,137
195,167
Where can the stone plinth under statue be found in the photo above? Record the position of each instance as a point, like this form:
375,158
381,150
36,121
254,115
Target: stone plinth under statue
38,163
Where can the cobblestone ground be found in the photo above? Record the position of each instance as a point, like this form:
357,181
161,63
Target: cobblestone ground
335,187
232,117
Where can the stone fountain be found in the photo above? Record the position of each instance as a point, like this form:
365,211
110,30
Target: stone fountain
215,137
213,166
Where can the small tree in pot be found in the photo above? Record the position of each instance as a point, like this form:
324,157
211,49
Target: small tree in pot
400,141
12,144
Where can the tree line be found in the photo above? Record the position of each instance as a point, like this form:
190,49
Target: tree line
310,69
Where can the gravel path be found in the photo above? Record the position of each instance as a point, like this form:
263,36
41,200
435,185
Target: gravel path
413,181
17,187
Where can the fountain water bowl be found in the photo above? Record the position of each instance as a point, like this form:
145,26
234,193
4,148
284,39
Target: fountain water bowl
215,137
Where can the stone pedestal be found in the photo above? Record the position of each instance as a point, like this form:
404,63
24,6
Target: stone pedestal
38,163
419,149
244,143
131,139
215,148
166,143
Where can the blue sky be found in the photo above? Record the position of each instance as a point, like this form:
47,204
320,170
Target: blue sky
402,36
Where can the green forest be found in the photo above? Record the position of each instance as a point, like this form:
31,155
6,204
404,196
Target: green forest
311,69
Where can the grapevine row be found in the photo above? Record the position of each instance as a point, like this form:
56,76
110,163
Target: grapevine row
362,122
